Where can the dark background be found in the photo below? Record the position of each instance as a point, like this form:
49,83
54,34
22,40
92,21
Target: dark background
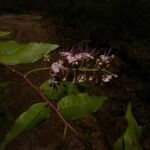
119,19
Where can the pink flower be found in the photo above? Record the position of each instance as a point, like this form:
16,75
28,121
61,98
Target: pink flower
69,56
87,55
65,54
105,58
71,59
106,78
56,66
83,56
78,56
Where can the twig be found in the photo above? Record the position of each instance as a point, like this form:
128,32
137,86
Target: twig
104,70
44,99
35,70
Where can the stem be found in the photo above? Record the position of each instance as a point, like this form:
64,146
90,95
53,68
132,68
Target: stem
64,68
104,70
80,69
35,70
44,99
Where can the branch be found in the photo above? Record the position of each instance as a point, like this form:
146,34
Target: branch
45,100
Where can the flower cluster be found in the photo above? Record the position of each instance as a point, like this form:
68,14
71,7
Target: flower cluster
74,58
83,67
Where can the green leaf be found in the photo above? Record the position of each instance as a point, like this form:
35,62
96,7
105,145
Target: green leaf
3,33
69,88
119,145
130,139
13,53
79,105
33,116
55,93
52,93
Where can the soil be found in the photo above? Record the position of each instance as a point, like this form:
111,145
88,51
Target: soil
101,129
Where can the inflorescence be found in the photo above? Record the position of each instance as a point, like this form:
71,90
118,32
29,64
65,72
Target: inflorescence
83,67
